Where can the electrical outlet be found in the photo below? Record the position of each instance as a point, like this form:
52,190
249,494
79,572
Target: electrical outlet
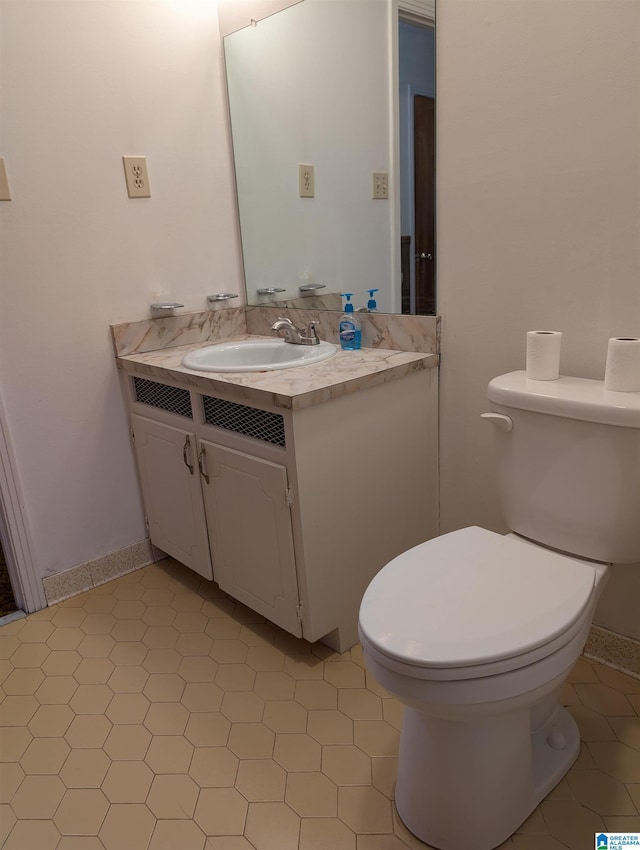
137,177
5,194
306,183
380,184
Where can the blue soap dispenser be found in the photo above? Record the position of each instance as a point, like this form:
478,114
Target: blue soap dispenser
371,303
349,328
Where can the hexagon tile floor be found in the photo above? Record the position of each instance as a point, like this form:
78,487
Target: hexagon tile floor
154,713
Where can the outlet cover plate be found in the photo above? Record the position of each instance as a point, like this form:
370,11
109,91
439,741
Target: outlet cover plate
136,176
306,181
380,185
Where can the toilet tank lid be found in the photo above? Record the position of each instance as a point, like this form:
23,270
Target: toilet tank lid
572,398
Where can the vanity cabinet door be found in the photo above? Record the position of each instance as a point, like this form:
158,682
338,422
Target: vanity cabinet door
248,514
168,467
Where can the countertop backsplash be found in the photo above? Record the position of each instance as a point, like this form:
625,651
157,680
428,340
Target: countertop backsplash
379,330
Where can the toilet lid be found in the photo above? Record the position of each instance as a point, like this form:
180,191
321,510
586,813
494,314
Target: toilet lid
472,597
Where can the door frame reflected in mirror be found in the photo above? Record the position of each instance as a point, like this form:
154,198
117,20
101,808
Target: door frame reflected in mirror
415,122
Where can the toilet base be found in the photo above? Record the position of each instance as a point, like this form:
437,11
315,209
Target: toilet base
468,784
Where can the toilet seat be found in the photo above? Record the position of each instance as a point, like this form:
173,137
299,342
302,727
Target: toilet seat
493,609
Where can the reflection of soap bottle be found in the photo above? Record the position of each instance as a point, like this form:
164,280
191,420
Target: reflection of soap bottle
350,333
371,303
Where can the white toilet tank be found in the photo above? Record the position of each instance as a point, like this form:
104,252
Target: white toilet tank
569,469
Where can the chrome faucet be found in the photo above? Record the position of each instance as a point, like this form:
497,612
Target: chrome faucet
296,336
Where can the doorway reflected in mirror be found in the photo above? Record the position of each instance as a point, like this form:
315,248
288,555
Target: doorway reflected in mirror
416,51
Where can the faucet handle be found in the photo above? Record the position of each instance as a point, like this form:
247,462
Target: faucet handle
285,328
311,329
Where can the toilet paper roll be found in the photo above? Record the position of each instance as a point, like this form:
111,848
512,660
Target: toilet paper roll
622,372
543,355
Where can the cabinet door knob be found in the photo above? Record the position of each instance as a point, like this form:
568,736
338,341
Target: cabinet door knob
185,449
201,458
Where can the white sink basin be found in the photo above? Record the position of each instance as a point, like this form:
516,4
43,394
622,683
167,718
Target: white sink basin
256,356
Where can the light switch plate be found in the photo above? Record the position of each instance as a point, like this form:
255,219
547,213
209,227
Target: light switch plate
5,194
137,176
306,182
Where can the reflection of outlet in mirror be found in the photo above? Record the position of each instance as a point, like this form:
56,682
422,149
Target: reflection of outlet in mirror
306,183
5,194
137,177
380,184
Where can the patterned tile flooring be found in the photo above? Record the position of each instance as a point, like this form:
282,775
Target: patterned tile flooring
154,713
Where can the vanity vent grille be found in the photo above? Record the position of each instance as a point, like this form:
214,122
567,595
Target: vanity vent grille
163,396
259,424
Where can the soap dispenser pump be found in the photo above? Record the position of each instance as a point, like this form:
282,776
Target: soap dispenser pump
371,303
349,327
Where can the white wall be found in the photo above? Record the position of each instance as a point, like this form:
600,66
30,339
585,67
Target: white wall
538,165
539,214
82,84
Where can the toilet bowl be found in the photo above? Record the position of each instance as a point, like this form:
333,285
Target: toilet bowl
475,632
479,674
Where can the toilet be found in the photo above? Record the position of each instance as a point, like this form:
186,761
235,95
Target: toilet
475,632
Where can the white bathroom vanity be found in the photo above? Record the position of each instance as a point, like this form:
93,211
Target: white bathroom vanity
291,488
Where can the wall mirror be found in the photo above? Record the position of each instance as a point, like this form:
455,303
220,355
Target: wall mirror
333,104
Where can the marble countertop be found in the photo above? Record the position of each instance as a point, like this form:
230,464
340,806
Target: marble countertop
291,389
